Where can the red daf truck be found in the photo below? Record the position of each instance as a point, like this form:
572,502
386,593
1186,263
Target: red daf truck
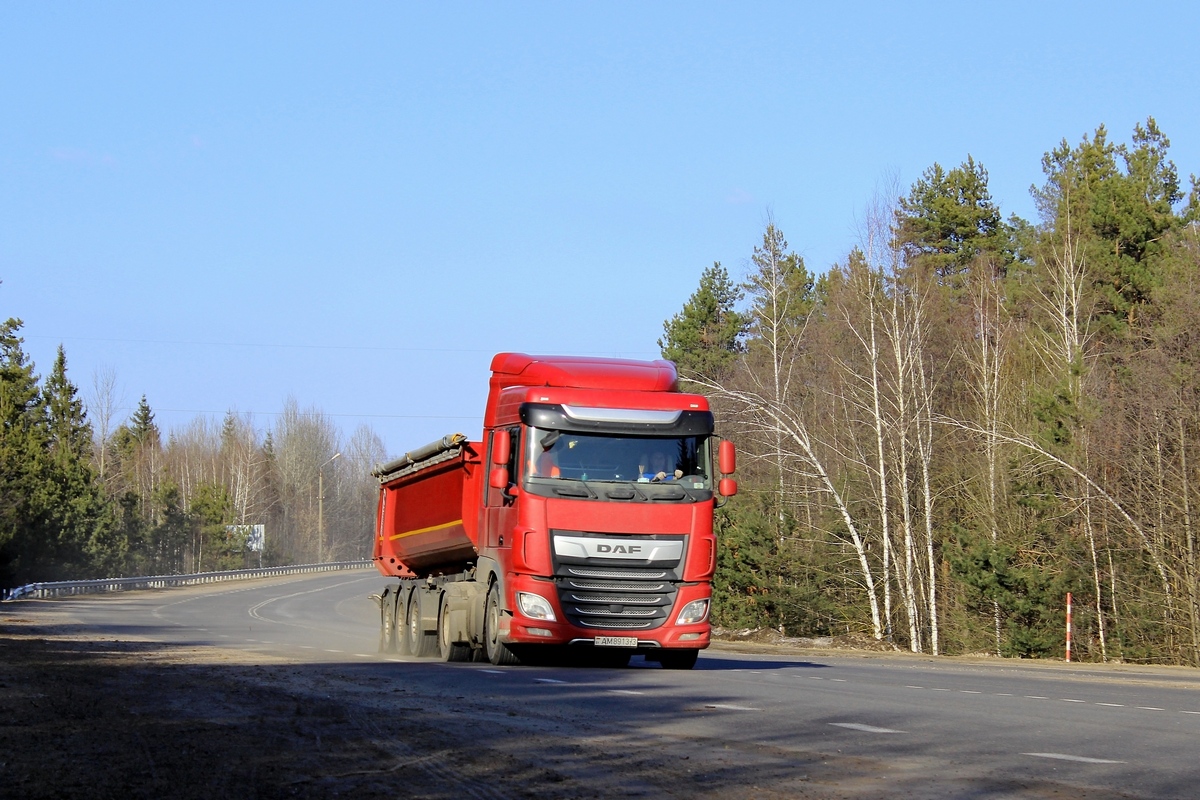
582,522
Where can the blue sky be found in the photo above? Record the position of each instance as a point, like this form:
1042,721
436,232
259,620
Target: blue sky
357,204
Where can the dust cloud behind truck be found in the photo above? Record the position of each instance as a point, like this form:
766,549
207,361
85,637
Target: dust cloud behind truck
582,522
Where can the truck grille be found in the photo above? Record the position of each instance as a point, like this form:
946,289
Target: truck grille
630,598
616,581
598,572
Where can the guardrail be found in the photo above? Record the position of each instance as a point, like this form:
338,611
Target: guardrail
98,585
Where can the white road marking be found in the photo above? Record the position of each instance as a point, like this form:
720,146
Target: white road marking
1081,759
858,726
547,680
732,707
838,680
1003,694
1189,712
1150,708
815,677
1067,700
624,691
363,655
333,651
493,671
1111,705
968,691
935,689
1035,697
914,687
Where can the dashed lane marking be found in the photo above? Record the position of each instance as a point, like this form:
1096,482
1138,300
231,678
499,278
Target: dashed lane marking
1009,694
547,680
624,691
1080,759
728,707
858,726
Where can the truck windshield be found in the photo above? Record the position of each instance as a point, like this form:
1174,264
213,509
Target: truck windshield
568,456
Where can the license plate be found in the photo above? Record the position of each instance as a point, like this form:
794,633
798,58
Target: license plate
616,641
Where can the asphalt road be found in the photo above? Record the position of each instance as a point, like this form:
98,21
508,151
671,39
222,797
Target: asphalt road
863,725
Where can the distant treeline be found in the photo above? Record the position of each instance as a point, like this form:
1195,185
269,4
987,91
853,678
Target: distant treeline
970,416
78,500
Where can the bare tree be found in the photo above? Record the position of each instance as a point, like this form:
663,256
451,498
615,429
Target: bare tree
103,402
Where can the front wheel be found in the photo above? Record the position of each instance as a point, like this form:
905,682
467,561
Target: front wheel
678,659
497,652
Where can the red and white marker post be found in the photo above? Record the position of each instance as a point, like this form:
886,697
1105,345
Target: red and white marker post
1068,627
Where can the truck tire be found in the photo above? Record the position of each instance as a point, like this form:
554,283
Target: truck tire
387,621
497,652
448,649
420,644
678,659
399,610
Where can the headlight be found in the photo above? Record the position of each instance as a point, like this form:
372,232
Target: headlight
535,606
693,612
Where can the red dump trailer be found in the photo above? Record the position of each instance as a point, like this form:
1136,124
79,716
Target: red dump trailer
582,522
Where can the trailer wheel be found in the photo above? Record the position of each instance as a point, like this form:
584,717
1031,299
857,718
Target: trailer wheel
420,644
400,620
448,649
678,659
387,622
497,652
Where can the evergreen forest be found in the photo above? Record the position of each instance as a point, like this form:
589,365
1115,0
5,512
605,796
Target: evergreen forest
966,418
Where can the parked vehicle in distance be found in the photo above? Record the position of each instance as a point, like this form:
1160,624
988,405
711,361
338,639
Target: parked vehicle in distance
582,522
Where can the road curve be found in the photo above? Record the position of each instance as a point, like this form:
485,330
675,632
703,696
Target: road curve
740,724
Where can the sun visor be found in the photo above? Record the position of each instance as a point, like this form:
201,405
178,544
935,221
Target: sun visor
635,421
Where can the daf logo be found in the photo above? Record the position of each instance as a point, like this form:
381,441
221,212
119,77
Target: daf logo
618,548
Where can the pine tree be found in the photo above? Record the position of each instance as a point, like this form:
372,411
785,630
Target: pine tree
948,220
1121,218
80,527
23,440
706,335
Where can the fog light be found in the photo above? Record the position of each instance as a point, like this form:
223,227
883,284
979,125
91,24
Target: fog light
539,632
535,606
693,612
687,637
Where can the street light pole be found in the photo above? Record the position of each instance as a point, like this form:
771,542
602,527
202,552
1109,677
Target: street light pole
321,509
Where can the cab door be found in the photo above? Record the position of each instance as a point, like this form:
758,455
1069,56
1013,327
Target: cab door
501,511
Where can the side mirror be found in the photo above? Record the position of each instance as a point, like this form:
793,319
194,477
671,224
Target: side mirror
501,448
726,459
727,487
498,478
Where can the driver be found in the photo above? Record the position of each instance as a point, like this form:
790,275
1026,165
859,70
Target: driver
654,468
